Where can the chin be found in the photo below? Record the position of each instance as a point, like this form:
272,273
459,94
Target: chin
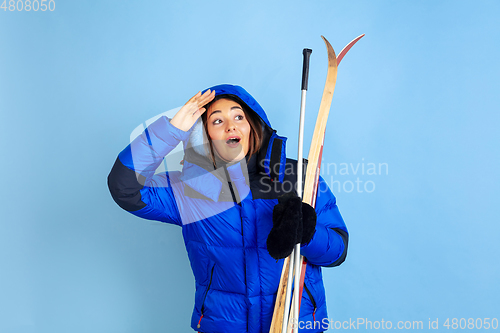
233,158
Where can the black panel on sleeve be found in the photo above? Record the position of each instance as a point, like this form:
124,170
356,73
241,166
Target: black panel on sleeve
345,238
125,187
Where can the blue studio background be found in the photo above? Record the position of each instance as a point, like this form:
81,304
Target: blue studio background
411,152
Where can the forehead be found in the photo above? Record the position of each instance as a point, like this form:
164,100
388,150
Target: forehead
223,104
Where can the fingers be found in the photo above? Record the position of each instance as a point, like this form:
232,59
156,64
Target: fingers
195,105
206,98
192,110
202,99
195,97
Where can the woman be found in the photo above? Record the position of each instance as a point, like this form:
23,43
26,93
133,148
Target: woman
234,170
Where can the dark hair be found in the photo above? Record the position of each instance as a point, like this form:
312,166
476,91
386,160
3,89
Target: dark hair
255,137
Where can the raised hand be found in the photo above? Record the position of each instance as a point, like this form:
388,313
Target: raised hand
185,118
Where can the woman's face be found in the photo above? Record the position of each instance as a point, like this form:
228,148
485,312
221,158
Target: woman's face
229,129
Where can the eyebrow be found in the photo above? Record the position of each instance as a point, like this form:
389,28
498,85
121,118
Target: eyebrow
232,108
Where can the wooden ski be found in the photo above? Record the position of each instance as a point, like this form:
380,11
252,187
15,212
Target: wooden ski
319,130
313,169
317,165
279,306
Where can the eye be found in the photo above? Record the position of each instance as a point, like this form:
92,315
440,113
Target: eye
240,117
216,121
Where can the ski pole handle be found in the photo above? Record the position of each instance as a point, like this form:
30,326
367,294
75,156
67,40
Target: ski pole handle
305,68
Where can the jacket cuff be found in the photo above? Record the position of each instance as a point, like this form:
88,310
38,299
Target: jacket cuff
146,151
325,248
316,244
168,133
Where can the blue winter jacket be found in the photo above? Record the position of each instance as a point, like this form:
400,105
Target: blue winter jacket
226,216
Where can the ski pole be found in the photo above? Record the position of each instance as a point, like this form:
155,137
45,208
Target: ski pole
296,252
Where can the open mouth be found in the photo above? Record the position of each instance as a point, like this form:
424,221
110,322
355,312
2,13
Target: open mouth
233,141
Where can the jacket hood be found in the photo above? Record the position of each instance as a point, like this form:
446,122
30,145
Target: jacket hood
244,96
271,153
198,139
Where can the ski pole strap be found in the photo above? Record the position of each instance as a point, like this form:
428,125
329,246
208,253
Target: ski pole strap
305,68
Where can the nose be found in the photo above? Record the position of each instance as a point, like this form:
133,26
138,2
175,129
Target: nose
230,126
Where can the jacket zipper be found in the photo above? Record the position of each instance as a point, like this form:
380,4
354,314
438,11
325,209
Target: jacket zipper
231,189
244,259
204,297
242,236
312,300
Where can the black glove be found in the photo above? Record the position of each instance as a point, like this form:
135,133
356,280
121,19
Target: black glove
293,222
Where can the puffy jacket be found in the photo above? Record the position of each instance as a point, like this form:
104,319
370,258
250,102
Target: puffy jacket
226,216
